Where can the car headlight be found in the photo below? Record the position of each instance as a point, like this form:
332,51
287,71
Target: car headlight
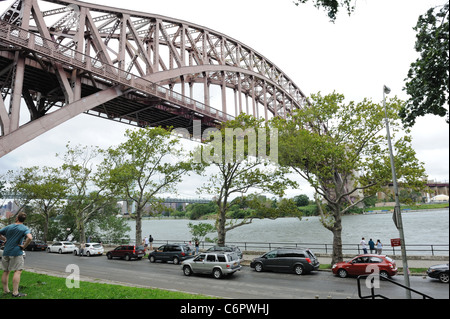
334,266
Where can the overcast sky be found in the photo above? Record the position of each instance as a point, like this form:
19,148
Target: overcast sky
354,56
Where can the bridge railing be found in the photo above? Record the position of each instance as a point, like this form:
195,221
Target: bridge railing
106,72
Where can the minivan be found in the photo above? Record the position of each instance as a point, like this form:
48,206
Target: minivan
297,260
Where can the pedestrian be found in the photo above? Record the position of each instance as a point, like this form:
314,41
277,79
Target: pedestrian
197,246
363,245
12,259
82,247
146,242
150,240
379,247
371,246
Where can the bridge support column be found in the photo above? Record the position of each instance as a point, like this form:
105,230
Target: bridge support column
37,127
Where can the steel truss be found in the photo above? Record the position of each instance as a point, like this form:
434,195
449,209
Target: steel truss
63,58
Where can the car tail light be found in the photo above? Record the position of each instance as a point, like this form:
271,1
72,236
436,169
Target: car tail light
228,266
308,260
183,254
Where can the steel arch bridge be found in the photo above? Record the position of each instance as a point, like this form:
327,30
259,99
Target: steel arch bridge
61,58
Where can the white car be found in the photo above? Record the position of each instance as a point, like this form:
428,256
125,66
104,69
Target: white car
91,249
61,247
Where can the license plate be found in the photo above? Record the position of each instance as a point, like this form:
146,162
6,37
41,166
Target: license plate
141,255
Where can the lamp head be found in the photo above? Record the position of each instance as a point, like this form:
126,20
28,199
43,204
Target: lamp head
387,90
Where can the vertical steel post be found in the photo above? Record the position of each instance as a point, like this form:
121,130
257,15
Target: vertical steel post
397,211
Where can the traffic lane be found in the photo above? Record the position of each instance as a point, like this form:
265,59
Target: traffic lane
245,284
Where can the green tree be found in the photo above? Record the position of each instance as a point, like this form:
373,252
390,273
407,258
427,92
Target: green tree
301,200
428,78
151,162
43,190
340,149
89,193
199,231
232,151
331,6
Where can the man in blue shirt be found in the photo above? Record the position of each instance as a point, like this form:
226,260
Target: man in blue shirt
12,259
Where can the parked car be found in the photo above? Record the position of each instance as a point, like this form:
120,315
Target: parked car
37,245
215,263
91,249
439,272
61,247
364,265
171,252
297,260
127,252
233,249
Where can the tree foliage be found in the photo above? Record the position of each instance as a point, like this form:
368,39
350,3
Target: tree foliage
340,149
428,78
331,6
150,162
234,152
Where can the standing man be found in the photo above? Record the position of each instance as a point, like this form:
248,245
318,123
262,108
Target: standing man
363,245
12,259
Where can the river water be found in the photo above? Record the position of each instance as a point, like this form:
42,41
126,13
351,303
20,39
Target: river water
420,227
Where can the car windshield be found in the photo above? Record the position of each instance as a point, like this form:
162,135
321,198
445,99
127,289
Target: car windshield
97,246
67,243
139,247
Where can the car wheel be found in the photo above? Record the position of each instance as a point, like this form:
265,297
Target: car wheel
152,259
443,278
75,252
60,251
176,261
342,273
48,250
88,254
299,270
109,256
127,257
384,274
187,270
259,267
217,273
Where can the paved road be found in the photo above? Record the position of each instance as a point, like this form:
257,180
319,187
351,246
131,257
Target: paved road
246,284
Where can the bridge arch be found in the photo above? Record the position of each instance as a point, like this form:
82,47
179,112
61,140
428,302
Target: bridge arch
65,57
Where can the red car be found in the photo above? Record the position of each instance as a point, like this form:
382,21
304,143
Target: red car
365,265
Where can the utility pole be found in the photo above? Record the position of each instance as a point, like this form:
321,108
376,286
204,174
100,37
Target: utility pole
397,211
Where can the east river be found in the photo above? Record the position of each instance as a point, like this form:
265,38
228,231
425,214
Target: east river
421,227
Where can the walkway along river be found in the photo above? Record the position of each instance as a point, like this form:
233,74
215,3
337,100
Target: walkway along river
421,227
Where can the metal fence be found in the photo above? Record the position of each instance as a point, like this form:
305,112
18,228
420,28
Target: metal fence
350,249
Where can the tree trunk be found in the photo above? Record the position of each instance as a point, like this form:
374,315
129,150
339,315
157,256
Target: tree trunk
337,255
138,226
221,232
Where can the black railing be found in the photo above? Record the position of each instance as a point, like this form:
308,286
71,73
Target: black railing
318,248
381,278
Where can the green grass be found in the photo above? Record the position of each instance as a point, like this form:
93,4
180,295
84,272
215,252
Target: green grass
38,286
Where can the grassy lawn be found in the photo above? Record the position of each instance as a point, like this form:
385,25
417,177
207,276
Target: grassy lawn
38,286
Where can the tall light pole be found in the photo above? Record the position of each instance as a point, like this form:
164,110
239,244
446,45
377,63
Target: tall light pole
397,211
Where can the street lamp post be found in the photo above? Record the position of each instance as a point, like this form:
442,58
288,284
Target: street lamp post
397,211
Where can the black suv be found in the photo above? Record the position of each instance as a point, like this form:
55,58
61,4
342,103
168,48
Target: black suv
296,260
171,252
127,252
